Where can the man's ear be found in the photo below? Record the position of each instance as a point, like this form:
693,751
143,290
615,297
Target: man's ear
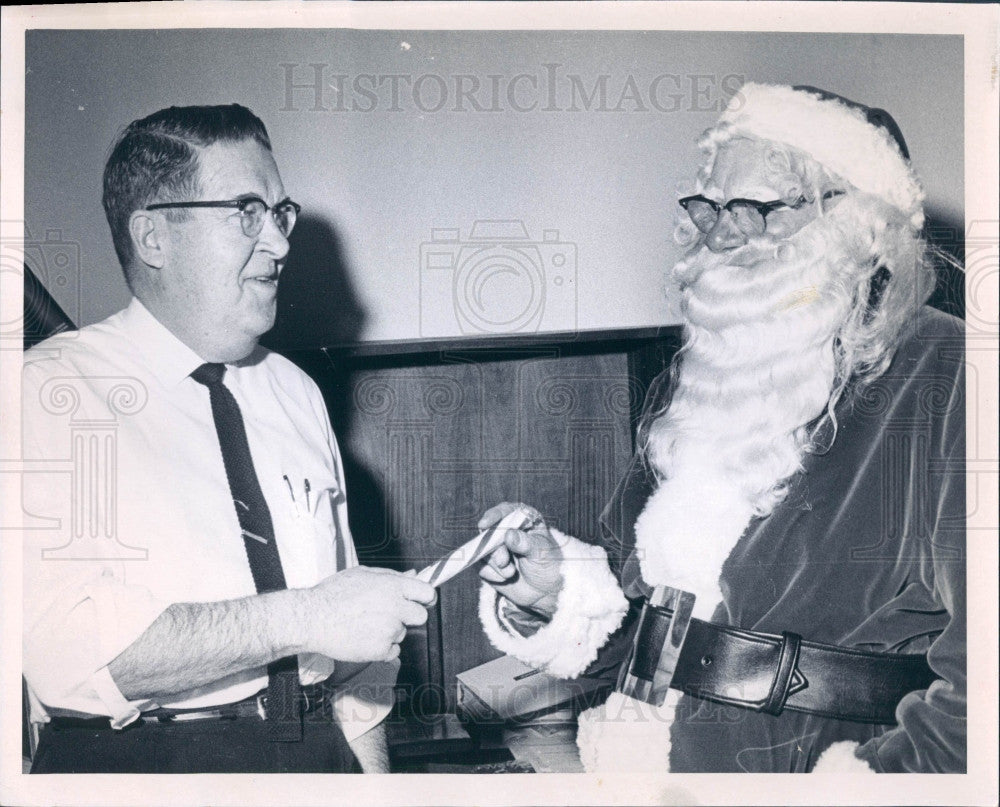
147,234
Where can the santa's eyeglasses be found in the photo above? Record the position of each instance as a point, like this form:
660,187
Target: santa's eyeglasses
749,215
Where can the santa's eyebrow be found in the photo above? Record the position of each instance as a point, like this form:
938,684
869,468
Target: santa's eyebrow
718,198
762,193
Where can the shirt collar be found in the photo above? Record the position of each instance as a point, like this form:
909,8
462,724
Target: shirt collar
166,356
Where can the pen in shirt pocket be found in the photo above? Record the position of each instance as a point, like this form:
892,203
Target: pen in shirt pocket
306,500
296,507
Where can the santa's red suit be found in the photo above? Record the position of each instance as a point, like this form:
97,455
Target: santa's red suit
866,551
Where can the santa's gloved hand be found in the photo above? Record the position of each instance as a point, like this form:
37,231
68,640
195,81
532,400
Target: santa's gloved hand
525,568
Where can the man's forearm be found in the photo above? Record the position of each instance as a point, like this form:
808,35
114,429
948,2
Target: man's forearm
193,644
372,750
359,614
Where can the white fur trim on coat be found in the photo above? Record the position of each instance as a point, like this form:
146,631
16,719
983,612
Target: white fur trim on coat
686,531
840,758
624,735
589,608
835,135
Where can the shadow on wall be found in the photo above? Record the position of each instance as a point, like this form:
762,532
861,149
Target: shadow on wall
318,306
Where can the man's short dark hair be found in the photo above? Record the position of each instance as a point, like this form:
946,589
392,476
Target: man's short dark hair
156,159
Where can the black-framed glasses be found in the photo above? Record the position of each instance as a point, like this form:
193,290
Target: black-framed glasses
252,210
749,215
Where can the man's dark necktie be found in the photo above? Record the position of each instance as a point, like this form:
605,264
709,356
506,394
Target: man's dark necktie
283,702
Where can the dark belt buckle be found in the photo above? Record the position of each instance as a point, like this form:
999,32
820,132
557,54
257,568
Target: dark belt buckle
663,625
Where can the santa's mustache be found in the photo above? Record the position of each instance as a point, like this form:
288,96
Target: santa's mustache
766,281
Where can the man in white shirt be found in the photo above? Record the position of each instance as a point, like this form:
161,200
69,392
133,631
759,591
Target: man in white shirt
167,621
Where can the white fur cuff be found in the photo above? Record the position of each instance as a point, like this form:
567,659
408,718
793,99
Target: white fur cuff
626,735
589,608
840,758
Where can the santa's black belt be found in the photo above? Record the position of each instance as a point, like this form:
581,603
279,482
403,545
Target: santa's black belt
765,672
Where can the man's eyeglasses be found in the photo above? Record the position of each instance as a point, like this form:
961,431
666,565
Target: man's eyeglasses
252,210
749,215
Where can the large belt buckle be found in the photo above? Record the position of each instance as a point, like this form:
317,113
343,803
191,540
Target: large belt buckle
649,668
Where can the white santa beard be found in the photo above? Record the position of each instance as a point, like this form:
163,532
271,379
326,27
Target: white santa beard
758,367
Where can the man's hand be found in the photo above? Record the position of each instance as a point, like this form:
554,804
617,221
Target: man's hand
525,568
362,613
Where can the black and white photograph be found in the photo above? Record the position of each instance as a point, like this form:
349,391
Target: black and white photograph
591,394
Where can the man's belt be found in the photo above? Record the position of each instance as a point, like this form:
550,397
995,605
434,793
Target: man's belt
312,698
761,671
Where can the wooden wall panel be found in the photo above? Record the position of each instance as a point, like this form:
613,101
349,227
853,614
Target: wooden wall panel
429,444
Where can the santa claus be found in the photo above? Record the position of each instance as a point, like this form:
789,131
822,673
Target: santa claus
800,472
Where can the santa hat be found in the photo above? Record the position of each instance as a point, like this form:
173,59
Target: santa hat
857,143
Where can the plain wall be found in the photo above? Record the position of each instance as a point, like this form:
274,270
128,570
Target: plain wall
378,174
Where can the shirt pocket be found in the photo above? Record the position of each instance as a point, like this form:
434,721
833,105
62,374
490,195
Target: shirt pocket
316,544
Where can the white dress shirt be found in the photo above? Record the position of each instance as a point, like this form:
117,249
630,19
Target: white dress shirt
128,510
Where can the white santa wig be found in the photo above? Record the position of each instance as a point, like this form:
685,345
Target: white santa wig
883,270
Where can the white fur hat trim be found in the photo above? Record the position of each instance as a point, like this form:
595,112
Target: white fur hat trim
835,135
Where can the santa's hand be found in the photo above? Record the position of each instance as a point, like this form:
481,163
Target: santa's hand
525,568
